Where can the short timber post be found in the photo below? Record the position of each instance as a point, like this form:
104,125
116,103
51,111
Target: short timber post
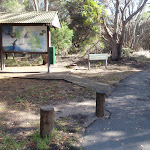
46,120
100,102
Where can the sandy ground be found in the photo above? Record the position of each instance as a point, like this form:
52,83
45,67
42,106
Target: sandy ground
81,110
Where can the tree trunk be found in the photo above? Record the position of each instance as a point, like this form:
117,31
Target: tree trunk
114,52
117,47
35,5
46,5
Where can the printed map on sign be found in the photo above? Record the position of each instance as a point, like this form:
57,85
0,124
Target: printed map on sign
24,38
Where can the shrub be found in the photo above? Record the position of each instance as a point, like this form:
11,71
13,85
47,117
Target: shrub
61,38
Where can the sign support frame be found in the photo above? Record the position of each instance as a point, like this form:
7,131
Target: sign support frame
48,45
1,51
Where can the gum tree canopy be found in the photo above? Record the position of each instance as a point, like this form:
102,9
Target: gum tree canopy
124,11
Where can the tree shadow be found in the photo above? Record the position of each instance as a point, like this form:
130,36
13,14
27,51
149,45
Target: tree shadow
21,100
128,127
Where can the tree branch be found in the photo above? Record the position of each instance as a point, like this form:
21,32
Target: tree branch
126,5
138,10
123,10
107,30
91,48
116,16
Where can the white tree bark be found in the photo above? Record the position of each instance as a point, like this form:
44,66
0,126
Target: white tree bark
35,5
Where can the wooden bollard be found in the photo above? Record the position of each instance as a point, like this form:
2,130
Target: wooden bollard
46,120
100,103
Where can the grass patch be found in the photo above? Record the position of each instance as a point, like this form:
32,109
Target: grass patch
64,137
61,139
23,62
37,142
8,142
23,97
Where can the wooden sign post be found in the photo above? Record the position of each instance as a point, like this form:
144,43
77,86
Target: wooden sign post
2,61
1,51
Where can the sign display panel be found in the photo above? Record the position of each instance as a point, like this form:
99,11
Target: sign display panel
24,38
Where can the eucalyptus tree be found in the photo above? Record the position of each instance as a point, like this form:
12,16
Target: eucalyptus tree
138,32
46,5
142,33
123,12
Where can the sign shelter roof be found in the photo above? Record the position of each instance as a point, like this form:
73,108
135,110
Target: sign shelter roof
50,18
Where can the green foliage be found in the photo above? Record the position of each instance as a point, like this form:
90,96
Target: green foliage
93,43
85,34
126,52
93,13
100,63
62,38
12,6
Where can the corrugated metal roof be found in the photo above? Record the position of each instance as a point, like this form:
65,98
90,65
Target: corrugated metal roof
50,17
